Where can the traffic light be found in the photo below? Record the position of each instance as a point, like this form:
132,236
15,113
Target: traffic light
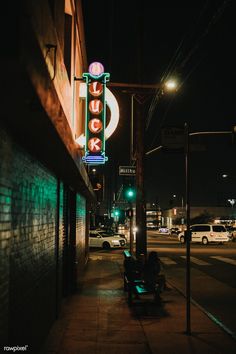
95,120
116,213
130,193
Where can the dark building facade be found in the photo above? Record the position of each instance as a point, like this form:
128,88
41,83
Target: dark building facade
45,192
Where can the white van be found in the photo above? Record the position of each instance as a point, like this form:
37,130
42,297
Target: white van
206,233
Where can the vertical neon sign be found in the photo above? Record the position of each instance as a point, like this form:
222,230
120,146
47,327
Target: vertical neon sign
95,120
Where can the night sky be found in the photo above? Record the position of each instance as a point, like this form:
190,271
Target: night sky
145,43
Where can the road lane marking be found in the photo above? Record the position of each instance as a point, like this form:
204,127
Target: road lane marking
197,261
225,259
167,260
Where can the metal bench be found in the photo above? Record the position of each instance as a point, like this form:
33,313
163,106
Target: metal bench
127,254
138,287
133,281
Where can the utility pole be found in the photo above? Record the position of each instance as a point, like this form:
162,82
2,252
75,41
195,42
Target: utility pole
141,234
139,95
131,236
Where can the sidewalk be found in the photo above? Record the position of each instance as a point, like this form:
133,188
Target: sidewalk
97,320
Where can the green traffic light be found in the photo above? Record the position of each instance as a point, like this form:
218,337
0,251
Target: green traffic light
117,212
130,193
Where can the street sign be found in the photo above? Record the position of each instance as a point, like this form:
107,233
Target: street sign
127,170
172,138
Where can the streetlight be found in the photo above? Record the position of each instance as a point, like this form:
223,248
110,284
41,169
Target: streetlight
170,85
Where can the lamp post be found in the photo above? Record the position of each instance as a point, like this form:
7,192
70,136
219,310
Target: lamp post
141,235
139,94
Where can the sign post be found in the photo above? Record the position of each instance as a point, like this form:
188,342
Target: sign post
176,139
172,139
187,235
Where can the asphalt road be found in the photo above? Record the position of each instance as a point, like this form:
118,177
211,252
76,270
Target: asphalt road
213,275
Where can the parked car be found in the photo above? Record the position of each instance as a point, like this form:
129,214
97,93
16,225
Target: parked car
108,230
164,230
206,233
106,240
175,231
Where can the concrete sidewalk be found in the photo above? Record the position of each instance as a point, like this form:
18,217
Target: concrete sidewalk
97,319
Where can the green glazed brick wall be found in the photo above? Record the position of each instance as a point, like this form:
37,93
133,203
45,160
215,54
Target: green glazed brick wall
32,231
28,202
80,230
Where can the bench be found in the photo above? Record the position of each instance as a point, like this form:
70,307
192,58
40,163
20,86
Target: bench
137,288
131,270
127,254
133,281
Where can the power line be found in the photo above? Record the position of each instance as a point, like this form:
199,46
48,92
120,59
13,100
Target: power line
172,67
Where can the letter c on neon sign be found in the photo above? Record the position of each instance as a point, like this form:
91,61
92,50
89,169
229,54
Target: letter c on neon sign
95,125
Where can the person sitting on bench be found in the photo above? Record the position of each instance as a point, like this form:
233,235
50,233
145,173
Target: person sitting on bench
152,273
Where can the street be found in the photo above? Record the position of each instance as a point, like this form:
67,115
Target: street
213,281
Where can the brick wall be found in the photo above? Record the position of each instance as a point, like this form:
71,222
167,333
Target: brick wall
80,231
31,245
28,215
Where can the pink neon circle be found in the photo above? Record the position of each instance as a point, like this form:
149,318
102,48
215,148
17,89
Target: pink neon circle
96,68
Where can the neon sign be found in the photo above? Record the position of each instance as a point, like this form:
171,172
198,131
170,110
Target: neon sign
97,98
111,102
95,106
96,69
95,89
95,125
95,145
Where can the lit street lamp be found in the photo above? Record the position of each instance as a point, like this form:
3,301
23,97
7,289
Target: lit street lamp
170,85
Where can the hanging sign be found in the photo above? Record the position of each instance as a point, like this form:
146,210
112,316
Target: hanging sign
95,120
